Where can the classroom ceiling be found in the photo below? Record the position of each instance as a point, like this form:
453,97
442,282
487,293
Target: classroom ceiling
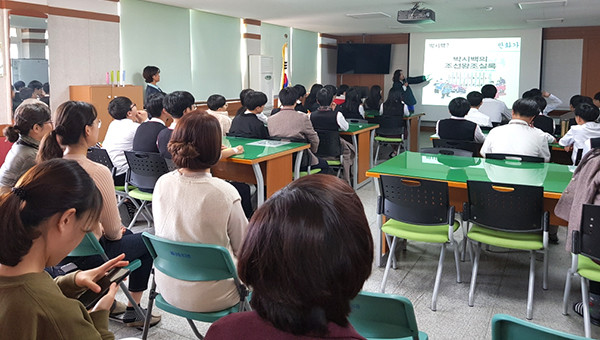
451,15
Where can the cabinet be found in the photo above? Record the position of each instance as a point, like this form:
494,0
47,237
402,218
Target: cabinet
101,95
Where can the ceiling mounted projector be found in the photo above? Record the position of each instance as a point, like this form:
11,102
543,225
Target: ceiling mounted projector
416,15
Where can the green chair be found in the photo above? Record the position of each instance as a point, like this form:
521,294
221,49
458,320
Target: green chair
144,170
418,210
90,246
191,262
390,132
585,250
506,327
508,216
383,316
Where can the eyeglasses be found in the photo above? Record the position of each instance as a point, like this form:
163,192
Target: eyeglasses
132,106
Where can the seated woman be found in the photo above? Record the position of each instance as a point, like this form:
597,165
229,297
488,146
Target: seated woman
42,219
307,254
76,129
374,100
352,107
32,122
189,205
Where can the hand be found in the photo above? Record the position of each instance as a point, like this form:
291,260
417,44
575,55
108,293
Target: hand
545,94
569,148
123,230
239,149
333,105
223,147
107,300
88,278
142,116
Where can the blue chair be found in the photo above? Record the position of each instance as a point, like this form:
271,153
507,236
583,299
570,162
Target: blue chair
191,262
506,327
383,316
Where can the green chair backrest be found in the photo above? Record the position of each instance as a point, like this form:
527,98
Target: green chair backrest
377,315
505,327
88,246
190,261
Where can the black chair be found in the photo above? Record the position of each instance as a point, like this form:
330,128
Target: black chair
471,146
447,151
144,170
330,148
544,123
418,210
390,132
513,157
579,156
101,156
508,216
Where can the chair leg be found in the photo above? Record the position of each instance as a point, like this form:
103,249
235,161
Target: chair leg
137,213
531,285
388,265
545,272
151,297
376,154
585,298
456,251
196,332
570,273
474,274
438,278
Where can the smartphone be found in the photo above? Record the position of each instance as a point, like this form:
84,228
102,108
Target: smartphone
89,298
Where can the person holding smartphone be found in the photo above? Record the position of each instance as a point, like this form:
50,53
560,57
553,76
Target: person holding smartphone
43,218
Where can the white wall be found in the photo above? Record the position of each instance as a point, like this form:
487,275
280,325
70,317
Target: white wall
561,68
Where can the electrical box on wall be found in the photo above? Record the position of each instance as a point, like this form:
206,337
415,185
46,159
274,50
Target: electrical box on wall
261,77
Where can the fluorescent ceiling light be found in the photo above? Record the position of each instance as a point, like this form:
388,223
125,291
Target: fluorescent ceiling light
372,15
545,20
542,4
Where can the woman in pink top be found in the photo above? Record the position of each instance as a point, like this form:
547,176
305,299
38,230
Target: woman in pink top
76,129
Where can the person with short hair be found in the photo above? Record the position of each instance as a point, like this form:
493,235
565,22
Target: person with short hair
586,128
32,122
45,97
302,277
552,102
217,107
596,99
19,85
151,76
492,107
120,134
301,90
38,88
176,104
518,136
540,121
42,219
251,123
146,134
26,93
475,99
457,127
190,205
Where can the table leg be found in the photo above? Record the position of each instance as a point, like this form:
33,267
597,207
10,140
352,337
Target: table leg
365,162
260,185
409,132
355,165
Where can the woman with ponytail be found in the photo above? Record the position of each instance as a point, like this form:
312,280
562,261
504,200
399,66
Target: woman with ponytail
42,218
189,205
76,129
31,122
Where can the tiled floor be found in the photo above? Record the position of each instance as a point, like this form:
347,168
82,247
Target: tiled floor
501,288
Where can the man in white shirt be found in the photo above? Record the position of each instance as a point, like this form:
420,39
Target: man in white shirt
586,128
217,107
475,99
519,137
493,108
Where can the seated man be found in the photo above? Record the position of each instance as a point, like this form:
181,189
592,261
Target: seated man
475,99
289,123
518,137
251,123
146,134
176,104
457,127
217,107
491,107
540,121
586,128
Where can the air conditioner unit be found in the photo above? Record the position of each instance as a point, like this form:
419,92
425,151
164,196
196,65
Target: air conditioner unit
416,16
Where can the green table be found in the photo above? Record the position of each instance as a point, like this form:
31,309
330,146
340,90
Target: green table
456,170
362,135
267,165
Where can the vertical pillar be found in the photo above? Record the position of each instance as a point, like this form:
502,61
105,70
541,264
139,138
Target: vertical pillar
251,40
33,43
328,59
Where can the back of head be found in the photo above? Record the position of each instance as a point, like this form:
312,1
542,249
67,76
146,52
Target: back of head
196,141
324,97
215,101
154,104
175,103
35,84
300,90
243,95
27,115
374,97
25,93
587,112
526,107
396,77
540,101
331,88
475,98
312,96
255,99
46,189
343,88
489,91
394,99
288,96
19,85
46,87
459,107
118,107
305,268
597,96
149,72
70,121
534,92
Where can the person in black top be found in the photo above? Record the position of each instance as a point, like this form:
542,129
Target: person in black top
541,121
457,127
146,134
242,108
251,123
311,101
352,106
373,102
176,104
151,76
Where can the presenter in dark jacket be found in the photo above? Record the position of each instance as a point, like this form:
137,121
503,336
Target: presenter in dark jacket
457,127
151,76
